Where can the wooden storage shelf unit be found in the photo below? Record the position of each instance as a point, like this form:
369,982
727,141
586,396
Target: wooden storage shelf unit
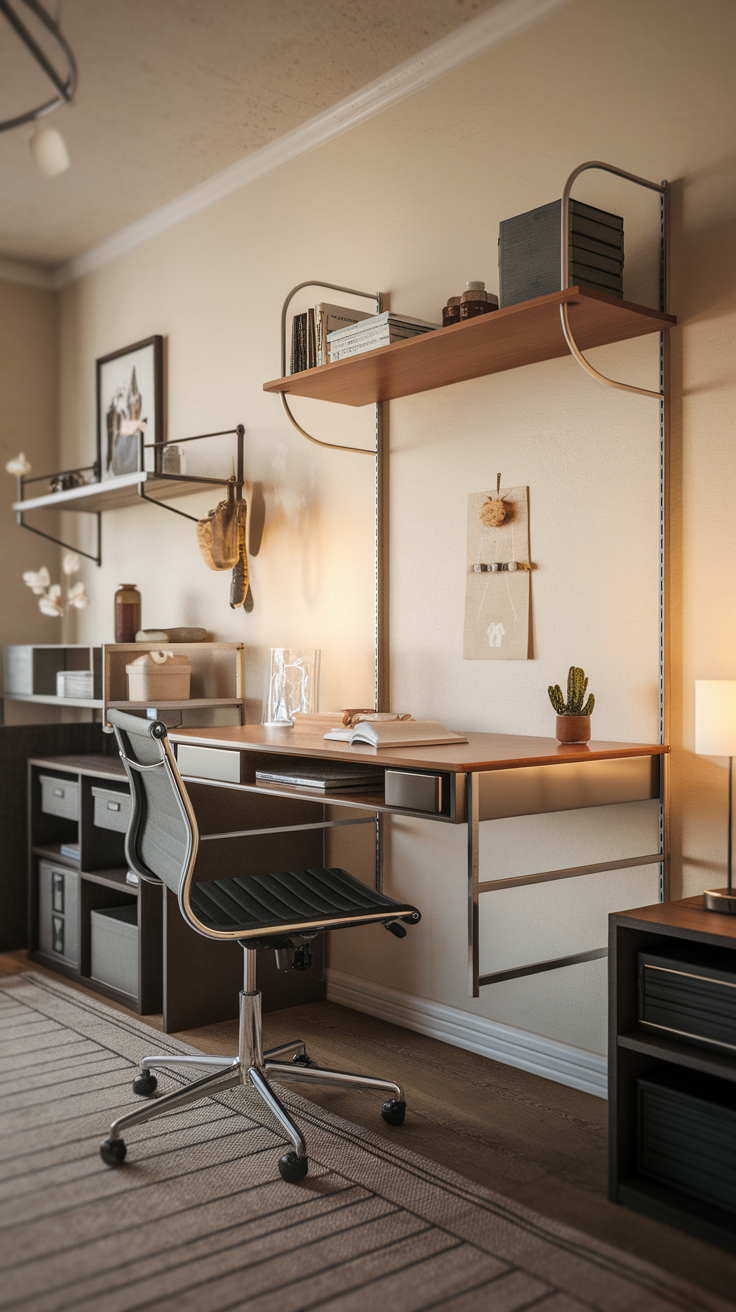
506,339
636,1053
217,675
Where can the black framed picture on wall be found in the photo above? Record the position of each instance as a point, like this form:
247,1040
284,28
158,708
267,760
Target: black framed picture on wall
130,401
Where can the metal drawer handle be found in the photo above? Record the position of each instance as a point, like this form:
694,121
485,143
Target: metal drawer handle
113,806
58,792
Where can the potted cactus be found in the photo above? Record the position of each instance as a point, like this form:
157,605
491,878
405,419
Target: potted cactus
573,715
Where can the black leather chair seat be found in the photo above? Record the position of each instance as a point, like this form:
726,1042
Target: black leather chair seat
269,902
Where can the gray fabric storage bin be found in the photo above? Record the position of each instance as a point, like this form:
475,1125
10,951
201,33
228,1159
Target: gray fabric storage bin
114,943
58,912
60,796
112,809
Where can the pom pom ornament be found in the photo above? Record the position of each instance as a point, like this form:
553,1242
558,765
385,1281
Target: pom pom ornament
492,513
494,510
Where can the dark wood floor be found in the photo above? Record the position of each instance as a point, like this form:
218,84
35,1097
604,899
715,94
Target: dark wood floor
529,1138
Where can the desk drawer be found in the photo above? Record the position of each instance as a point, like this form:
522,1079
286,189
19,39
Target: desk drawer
112,809
413,790
209,763
60,797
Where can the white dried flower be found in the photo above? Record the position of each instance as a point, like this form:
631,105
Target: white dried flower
77,597
70,563
38,580
18,465
54,592
48,606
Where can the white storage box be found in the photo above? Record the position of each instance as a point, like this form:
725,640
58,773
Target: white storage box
159,676
114,944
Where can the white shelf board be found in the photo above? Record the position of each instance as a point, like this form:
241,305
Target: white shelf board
95,704
112,494
48,699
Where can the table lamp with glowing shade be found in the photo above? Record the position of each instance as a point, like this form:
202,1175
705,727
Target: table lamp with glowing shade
715,735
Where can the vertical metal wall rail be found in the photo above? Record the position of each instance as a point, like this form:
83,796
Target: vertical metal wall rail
475,980
662,396
380,454
472,811
664,493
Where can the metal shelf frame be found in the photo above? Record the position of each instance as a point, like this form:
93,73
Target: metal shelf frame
379,454
64,502
661,857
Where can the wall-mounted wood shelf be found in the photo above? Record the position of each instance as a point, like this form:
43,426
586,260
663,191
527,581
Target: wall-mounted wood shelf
111,494
518,335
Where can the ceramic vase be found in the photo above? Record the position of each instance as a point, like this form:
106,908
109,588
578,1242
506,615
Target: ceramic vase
127,612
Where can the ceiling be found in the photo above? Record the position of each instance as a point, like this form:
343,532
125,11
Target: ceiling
174,91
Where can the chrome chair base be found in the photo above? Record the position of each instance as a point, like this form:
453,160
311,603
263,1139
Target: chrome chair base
251,1066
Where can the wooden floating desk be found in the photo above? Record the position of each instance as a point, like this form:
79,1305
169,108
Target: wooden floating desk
490,777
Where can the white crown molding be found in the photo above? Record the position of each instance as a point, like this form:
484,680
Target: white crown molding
32,275
556,1061
474,38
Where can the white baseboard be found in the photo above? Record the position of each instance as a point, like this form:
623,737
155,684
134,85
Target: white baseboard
529,1052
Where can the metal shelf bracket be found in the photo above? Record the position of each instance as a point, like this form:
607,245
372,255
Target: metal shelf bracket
662,188
333,287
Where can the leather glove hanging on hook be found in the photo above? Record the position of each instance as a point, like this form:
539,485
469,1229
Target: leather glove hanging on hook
240,580
217,535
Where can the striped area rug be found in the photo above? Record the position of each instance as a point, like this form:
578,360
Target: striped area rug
198,1219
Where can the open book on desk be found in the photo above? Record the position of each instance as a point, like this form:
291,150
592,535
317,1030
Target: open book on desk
396,733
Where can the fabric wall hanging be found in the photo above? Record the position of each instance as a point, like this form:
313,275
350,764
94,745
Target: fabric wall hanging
497,576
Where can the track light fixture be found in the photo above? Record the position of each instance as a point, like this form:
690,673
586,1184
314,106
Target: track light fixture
48,147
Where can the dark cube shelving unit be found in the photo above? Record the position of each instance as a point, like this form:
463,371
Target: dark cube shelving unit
636,1053
192,979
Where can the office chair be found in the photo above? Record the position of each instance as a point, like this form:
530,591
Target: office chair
283,911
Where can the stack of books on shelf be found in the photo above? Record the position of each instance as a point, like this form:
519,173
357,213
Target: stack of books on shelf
529,252
379,330
309,333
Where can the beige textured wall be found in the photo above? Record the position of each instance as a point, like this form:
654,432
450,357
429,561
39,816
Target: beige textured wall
410,202
29,421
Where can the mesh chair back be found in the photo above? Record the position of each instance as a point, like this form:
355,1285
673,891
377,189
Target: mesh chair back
162,834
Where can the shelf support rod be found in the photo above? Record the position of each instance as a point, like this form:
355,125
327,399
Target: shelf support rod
660,187
333,287
97,558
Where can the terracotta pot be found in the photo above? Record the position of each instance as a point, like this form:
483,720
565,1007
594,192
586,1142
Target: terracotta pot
573,728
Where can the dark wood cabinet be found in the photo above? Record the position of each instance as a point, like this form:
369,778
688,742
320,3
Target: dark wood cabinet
637,1053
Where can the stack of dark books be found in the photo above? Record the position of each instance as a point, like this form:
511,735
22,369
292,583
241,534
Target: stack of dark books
529,252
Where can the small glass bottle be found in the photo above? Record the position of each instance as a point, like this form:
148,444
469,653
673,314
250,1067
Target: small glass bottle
476,300
127,612
451,312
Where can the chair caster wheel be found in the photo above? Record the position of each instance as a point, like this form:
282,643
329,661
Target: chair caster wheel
302,1059
145,1084
112,1151
393,1112
293,1168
